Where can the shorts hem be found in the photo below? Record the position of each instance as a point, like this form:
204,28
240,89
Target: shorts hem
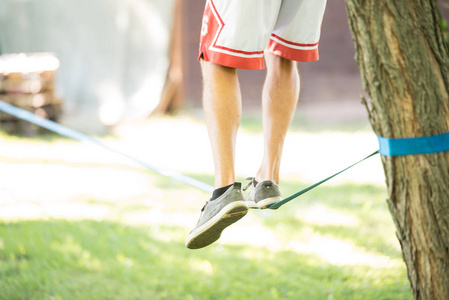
232,61
294,51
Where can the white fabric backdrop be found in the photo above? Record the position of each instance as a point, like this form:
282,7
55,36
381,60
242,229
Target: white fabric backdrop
113,53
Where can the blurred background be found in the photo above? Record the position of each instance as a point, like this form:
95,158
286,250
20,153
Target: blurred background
124,60
113,55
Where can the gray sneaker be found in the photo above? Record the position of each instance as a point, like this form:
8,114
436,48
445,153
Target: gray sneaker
216,215
264,194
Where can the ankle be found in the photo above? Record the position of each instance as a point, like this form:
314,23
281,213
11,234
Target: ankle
222,181
261,176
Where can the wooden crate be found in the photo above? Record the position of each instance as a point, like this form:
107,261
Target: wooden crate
27,81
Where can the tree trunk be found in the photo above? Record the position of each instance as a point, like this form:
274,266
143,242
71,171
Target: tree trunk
404,65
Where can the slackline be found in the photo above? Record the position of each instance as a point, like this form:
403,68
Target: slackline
73,134
295,195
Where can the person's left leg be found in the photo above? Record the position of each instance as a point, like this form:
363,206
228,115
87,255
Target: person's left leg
295,37
279,99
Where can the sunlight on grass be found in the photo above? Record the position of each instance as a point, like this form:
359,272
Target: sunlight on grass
108,259
338,252
201,265
251,232
79,223
75,252
322,215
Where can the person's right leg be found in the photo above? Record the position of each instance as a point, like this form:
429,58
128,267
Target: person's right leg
222,110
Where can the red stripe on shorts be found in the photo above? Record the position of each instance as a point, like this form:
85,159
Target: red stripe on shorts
210,51
292,43
302,55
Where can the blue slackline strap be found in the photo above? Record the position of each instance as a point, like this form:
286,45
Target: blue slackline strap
70,133
295,195
414,146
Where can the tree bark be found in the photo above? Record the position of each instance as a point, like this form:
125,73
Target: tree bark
404,65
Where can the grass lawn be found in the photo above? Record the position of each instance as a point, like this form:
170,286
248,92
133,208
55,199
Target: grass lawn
77,224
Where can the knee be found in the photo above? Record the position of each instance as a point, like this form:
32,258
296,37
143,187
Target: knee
279,66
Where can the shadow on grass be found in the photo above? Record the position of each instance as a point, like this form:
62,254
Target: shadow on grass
84,259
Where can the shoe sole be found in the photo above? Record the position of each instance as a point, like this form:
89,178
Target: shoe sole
211,231
263,204
251,204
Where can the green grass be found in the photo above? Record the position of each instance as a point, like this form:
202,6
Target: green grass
110,259
57,259
116,258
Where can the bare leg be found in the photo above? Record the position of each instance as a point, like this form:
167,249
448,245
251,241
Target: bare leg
279,98
222,110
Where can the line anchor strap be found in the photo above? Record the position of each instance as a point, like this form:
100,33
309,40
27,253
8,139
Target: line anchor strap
414,146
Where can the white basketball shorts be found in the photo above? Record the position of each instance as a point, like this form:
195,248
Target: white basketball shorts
236,32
